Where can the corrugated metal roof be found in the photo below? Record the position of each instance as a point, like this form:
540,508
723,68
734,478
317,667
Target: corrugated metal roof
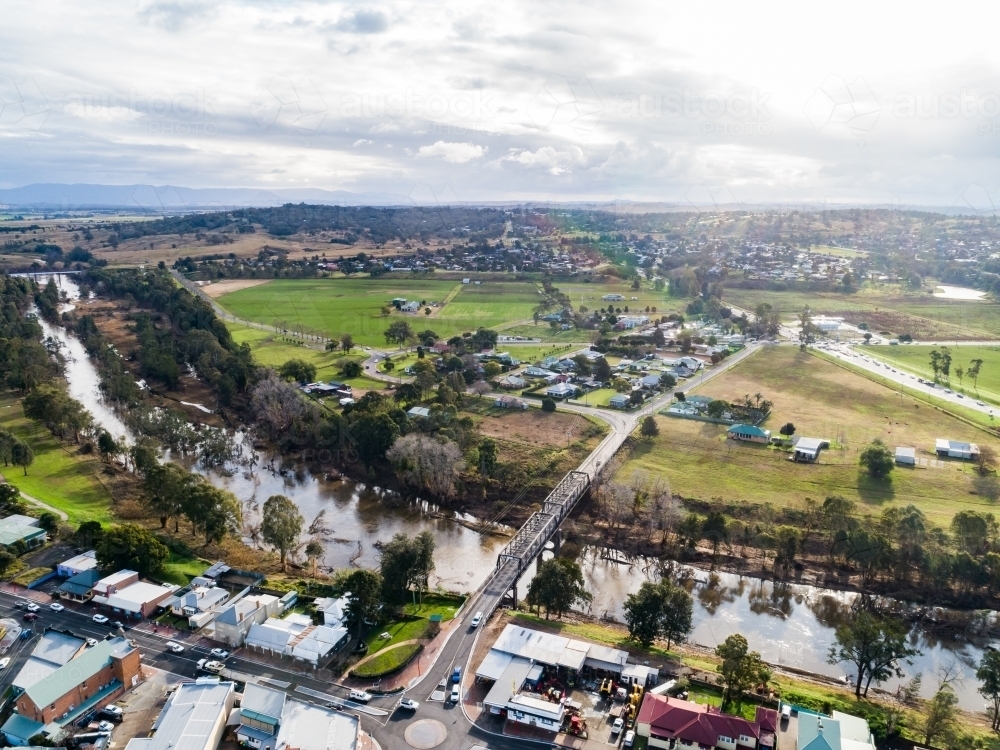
263,701
192,715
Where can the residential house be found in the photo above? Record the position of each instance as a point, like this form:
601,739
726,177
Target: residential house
296,636
78,564
94,678
194,718
561,390
683,409
749,433
537,372
410,307
512,382
906,456
650,382
837,732
699,402
955,449
619,401
509,402
233,622
199,604
23,529
80,588
334,609
673,723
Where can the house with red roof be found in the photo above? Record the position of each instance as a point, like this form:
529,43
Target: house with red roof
674,724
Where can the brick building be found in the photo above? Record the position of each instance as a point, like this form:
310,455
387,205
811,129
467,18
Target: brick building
93,679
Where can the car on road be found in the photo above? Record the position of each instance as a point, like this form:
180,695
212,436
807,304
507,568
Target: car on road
212,667
99,619
408,704
30,617
477,619
117,624
456,694
175,647
91,641
4,662
980,403
56,607
32,607
617,726
21,604
219,653
359,696
947,390
629,738
112,712
105,727
456,674
960,395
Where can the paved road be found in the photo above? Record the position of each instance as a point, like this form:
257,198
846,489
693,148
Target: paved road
864,358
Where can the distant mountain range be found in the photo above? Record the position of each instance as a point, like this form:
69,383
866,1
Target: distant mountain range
157,199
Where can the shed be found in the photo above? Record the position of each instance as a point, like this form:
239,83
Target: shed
906,456
419,411
807,449
956,449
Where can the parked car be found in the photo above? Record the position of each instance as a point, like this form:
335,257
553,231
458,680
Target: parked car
477,619
105,727
456,694
220,653
359,696
56,607
99,619
4,662
32,607
629,738
112,712
175,647
617,726
91,642
456,674
30,617
408,704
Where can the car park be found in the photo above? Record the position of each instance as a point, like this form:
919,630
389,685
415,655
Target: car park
408,704
359,696
174,646
220,653
477,619
99,619
56,607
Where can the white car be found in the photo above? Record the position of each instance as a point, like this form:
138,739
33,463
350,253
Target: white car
617,726
105,727
56,607
91,642
409,705
99,619
175,647
220,653
32,607
359,696
4,662
629,738
213,667
456,694
477,619
980,403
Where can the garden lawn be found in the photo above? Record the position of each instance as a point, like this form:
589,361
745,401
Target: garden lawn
336,306
600,397
916,359
60,476
415,621
387,662
827,401
181,568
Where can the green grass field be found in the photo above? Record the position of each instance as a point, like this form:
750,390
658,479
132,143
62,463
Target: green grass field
887,308
600,397
59,476
916,359
338,306
271,351
827,401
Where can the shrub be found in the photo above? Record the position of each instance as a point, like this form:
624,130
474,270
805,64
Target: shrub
548,404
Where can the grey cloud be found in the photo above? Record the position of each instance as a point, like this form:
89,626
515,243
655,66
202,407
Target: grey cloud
174,16
364,22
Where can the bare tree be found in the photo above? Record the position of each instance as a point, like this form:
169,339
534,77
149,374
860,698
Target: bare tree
277,404
426,463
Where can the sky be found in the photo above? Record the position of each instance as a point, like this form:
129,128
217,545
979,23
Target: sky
690,103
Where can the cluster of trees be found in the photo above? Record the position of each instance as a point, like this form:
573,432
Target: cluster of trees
173,492
659,611
24,360
941,362
557,586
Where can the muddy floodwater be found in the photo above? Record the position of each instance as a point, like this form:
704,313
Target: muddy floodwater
791,625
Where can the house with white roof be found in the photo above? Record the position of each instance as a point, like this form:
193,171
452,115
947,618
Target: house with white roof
235,620
78,564
124,593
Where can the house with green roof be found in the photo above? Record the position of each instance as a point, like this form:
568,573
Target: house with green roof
748,433
25,529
